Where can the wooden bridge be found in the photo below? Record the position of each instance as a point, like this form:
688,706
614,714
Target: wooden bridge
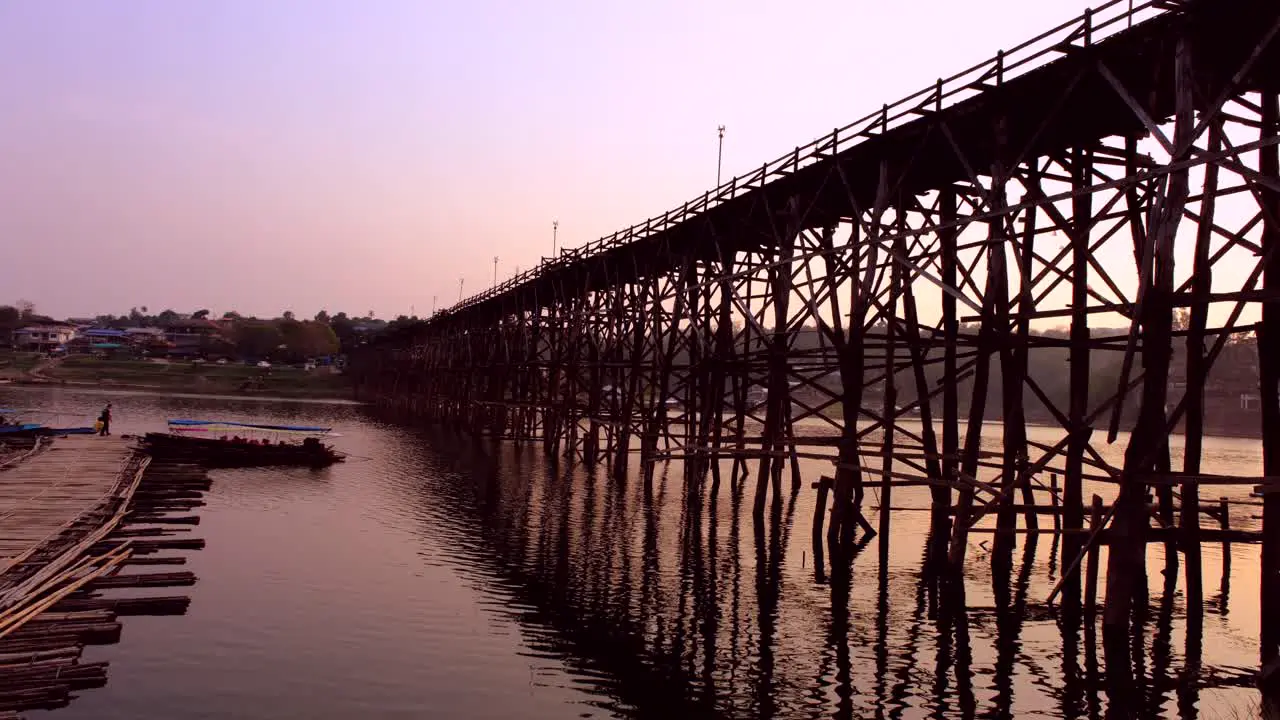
887,298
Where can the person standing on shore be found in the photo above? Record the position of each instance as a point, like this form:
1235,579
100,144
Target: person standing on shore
105,420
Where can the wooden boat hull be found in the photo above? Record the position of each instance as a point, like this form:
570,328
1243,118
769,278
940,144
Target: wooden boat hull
226,454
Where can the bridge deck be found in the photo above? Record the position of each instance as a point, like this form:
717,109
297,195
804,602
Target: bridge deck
45,493
834,186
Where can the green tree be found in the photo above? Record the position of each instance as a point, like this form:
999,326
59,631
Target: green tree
10,320
293,337
344,329
287,315
401,321
257,339
166,317
322,317
307,339
324,341
200,315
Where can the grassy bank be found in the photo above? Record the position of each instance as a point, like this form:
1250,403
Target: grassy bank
14,364
189,377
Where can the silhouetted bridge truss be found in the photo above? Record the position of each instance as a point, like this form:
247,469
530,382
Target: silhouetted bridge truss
1117,171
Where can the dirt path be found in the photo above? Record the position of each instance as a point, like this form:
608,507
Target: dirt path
37,372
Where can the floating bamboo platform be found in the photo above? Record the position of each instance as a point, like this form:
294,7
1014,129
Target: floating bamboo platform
74,512
41,496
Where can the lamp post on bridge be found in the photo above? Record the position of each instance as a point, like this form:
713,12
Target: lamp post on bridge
495,271
555,229
460,289
719,154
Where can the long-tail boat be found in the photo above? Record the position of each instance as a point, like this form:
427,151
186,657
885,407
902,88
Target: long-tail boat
217,443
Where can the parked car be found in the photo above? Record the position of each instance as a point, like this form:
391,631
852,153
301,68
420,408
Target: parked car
264,364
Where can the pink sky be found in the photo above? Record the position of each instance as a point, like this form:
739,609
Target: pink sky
309,154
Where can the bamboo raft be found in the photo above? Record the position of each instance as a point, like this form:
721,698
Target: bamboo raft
74,514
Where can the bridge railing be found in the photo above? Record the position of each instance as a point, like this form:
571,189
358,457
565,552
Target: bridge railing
1090,27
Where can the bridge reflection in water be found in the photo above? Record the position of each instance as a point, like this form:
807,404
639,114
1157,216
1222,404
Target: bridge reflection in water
670,601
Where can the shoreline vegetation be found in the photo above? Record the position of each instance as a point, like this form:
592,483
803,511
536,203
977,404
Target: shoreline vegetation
232,379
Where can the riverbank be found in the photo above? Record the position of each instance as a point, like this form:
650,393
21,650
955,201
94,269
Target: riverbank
83,372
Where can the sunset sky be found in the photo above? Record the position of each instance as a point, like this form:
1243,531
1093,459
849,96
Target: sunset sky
308,154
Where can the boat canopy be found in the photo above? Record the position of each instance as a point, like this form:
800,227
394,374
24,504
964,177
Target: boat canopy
227,425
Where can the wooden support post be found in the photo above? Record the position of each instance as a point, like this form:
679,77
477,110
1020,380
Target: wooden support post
1196,377
1224,522
820,510
1091,570
591,442
1269,377
1012,377
850,352
779,397
724,357
1078,430
1126,558
917,348
890,396
692,399
631,400
950,381
981,377
1017,370
1053,502
793,456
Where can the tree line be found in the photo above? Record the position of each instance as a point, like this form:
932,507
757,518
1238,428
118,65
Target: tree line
285,337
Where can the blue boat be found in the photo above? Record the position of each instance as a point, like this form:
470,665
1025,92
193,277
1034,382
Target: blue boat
20,430
11,429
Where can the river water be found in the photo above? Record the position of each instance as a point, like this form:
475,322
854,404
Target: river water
433,575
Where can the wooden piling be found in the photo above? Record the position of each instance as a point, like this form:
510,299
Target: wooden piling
1053,503
1091,569
1269,372
819,517
1224,523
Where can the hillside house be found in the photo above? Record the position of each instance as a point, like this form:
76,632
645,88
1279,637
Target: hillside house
44,336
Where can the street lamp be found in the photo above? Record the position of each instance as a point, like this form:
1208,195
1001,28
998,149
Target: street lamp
719,154
555,229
